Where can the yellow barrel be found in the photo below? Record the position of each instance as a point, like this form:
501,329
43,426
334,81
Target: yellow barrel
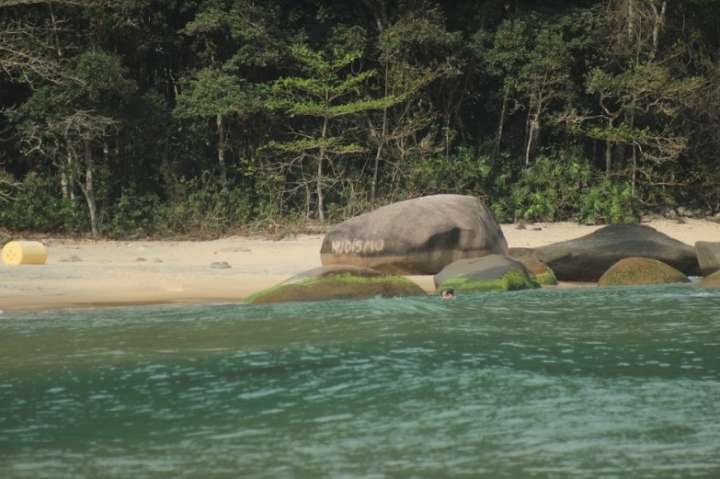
24,252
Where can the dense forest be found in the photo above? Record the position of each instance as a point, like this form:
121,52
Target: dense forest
156,117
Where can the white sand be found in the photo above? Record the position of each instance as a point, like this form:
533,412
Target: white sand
114,273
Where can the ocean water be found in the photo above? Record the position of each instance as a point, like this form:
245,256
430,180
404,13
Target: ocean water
583,383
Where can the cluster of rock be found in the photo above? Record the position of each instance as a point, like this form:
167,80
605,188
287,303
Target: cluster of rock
456,239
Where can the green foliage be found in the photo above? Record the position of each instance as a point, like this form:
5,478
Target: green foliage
461,172
547,278
212,92
38,206
548,110
551,188
608,203
201,206
101,79
135,214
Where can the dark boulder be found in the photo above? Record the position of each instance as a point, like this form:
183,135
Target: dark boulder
708,256
419,236
636,271
587,258
489,273
337,282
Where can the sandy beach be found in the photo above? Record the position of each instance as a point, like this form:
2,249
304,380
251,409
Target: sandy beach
85,273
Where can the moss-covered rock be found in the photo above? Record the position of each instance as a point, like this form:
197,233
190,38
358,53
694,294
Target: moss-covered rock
712,281
538,270
511,281
321,285
636,271
488,273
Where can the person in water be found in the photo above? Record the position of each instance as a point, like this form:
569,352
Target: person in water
448,293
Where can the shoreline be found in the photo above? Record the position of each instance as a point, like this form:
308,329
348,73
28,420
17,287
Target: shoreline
102,273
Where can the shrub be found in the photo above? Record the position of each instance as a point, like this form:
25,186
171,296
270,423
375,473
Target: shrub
551,188
37,205
137,213
202,206
608,202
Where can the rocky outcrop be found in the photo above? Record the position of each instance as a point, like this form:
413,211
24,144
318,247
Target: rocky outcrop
419,236
708,257
636,271
489,273
587,258
712,281
337,282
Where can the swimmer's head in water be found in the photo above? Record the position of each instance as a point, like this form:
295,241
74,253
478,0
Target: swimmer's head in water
448,293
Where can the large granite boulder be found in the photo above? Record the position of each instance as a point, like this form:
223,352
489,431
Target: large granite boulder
419,236
587,258
712,281
337,282
635,271
488,273
708,255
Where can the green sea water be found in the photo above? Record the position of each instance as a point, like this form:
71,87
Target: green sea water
586,383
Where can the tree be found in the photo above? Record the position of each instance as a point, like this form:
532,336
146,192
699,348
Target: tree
414,52
326,92
218,95
639,96
531,58
233,42
70,123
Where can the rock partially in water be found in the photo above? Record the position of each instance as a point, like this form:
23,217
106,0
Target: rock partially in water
587,258
708,256
712,281
637,271
419,236
489,273
537,269
337,282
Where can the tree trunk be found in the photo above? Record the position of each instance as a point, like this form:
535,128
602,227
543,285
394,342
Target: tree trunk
447,135
56,40
221,150
658,22
634,171
64,187
308,199
89,189
609,146
533,135
66,177
501,123
318,183
70,175
381,142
